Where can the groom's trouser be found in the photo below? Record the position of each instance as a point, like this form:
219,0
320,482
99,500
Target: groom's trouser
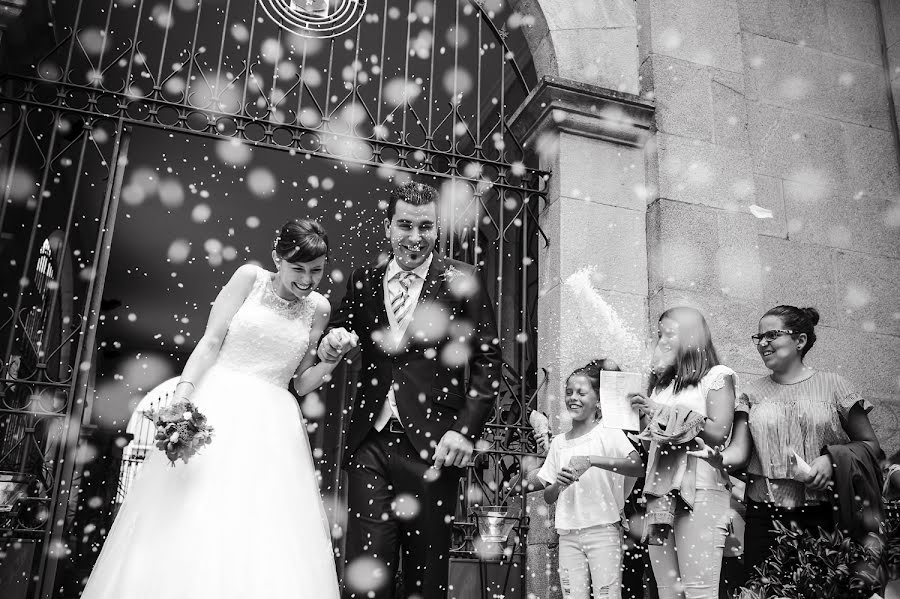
395,503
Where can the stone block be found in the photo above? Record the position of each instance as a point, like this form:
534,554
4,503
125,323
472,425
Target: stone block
600,171
799,274
549,336
795,21
853,30
540,530
867,360
701,31
769,195
872,159
885,419
890,15
738,256
868,289
604,57
578,14
551,342
812,82
645,30
697,172
683,98
589,234
844,220
682,241
730,320
729,110
804,148
544,55
542,575
894,62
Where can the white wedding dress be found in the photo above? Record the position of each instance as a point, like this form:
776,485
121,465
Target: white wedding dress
244,518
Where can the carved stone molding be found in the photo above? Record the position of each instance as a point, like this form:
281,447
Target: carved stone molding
561,105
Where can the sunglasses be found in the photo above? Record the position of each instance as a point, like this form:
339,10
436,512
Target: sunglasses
770,336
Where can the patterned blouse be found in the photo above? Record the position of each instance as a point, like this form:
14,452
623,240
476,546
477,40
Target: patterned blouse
802,417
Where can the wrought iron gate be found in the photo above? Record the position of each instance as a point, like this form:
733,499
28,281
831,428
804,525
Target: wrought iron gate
417,86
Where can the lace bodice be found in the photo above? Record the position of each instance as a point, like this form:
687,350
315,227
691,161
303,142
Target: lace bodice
268,336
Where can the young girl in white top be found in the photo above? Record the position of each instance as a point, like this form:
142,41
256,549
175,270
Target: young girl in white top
589,471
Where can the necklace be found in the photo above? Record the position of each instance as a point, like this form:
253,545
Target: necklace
271,287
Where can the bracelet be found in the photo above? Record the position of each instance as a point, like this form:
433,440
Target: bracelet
185,383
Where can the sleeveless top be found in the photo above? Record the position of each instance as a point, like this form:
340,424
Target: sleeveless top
268,335
694,398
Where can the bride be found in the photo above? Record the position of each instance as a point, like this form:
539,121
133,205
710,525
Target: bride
244,518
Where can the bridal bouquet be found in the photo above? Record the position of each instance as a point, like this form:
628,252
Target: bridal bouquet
181,430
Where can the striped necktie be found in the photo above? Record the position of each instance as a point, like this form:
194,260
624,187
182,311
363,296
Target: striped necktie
400,303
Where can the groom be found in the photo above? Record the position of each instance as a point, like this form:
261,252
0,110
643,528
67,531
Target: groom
429,377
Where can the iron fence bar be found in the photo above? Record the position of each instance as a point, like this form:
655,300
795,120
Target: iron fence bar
478,141
7,187
384,22
326,116
165,43
109,14
65,72
65,468
190,73
406,101
222,47
453,101
429,135
134,47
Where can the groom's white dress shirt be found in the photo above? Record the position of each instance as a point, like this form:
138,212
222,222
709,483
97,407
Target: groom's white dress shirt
392,287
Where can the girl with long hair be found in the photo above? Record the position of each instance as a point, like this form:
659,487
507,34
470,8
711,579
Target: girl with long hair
688,382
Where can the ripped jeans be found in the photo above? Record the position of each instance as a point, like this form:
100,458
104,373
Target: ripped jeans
688,564
591,557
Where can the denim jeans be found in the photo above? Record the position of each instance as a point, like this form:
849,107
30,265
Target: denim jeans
687,565
591,557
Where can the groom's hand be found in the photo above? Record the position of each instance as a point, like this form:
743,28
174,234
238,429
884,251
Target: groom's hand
453,450
335,344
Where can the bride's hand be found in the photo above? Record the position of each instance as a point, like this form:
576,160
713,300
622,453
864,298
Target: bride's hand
336,343
713,455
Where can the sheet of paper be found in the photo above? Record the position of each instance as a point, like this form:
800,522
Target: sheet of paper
801,468
614,402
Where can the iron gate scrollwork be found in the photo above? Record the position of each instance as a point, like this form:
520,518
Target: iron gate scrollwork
417,86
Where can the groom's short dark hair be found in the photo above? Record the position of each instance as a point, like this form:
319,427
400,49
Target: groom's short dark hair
417,194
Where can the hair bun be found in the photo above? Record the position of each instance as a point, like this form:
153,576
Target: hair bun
812,314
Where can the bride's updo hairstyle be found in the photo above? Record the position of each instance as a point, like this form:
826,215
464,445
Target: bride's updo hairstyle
301,240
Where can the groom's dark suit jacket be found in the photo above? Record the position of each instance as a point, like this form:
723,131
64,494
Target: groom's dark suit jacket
446,366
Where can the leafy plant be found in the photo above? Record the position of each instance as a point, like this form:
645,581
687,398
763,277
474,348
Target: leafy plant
807,565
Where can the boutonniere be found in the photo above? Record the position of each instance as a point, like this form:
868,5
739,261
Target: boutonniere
451,273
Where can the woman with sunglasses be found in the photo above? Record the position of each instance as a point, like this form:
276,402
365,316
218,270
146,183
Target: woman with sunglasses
782,423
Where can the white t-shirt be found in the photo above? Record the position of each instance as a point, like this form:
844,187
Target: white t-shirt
694,398
598,497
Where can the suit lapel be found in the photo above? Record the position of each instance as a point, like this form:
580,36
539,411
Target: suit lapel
430,289
432,281
375,296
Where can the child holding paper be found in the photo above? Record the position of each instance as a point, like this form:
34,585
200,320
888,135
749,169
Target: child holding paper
589,471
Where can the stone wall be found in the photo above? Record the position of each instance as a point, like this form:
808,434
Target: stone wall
771,177
778,108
